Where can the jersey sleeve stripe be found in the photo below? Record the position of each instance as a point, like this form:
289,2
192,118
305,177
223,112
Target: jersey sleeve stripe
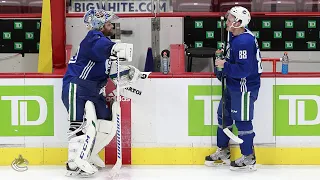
86,70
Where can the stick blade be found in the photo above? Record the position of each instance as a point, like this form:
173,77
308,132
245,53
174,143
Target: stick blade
232,136
114,172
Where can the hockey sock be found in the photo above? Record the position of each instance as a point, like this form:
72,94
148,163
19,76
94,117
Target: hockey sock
222,138
74,125
245,132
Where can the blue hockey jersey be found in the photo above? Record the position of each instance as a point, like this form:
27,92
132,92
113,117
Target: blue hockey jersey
243,67
91,61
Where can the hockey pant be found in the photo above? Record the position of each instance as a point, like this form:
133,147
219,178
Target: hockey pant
76,93
239,109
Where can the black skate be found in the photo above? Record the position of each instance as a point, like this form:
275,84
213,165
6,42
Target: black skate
220,157
244,163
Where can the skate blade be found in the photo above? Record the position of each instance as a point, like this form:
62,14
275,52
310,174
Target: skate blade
217,163
85,166
248,168
79,174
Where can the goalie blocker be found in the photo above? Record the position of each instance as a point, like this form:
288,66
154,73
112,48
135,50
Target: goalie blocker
123,51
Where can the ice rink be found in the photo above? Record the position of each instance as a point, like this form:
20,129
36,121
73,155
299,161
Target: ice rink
170,173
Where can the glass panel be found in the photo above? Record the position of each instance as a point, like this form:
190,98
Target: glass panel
193,5
10,7
20,6
34,6
310,6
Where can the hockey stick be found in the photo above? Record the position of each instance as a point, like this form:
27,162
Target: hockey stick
226,130
116,110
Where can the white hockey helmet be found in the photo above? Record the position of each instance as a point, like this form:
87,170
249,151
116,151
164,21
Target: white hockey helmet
241,14
95,19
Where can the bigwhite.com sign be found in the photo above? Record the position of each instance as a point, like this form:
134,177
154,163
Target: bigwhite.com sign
119,6
170,112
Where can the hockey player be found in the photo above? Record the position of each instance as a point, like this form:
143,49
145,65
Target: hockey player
242,69
92,126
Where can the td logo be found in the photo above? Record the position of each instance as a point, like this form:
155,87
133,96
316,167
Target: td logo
297,110
27,111
203,103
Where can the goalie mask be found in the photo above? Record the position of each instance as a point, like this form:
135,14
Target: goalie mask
95,19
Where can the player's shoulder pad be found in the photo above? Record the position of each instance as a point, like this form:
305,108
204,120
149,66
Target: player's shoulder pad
246,38
104,41
95,35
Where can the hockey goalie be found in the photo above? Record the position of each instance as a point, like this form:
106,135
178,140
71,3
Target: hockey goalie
92,125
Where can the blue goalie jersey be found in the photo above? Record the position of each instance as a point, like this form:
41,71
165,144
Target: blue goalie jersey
91,62
243,67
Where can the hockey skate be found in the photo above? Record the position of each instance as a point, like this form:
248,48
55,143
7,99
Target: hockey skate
220,157
244,163
77,172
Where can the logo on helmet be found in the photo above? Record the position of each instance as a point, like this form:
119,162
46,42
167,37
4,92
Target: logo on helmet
244,12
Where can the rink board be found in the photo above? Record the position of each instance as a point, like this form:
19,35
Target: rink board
173,121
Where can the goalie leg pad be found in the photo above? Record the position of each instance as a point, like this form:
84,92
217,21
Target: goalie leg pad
75,165
80,147
106,130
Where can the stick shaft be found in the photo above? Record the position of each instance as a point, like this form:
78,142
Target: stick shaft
223,79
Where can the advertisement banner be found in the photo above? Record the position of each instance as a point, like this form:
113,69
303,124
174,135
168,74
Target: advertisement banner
297,110
118,6
174,120
27,110
184,113
172,112
33,114
272,33
203,102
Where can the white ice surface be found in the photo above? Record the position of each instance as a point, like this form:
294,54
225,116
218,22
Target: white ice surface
170,173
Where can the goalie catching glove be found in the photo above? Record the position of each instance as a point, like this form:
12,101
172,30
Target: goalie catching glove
128,74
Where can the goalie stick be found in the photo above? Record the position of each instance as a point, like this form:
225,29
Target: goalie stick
116,111
226,130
